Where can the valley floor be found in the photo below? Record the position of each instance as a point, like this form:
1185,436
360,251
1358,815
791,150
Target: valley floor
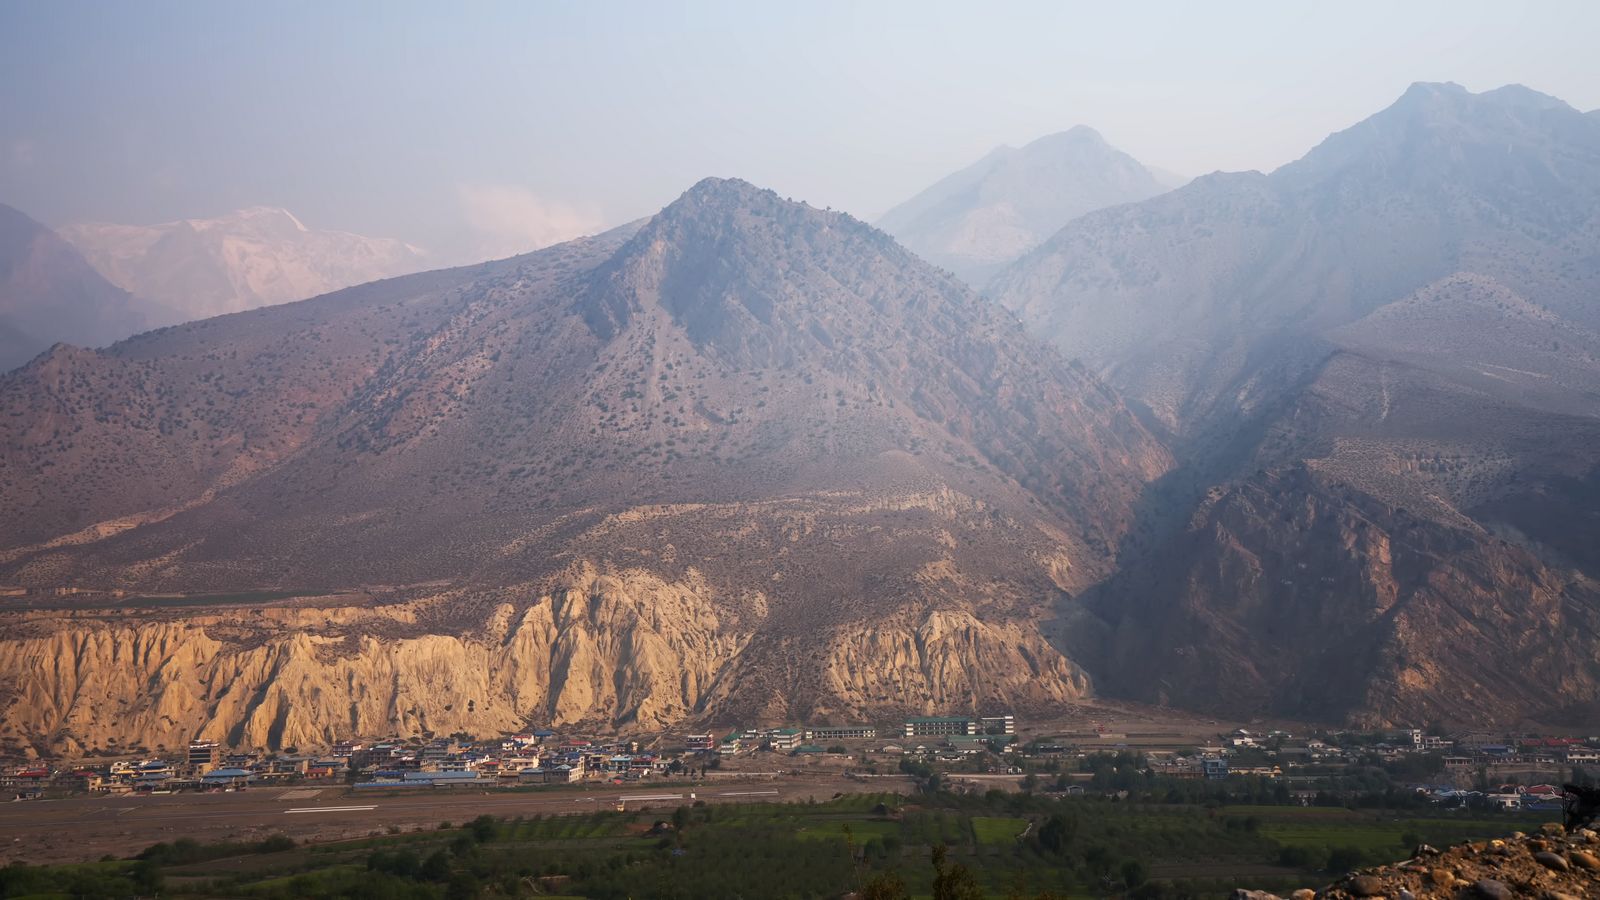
814,837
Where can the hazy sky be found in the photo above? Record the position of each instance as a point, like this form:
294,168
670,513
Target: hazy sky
488,128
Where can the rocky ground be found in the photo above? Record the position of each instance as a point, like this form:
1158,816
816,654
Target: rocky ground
1552,865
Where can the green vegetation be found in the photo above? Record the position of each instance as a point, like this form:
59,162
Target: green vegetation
888,847
997,830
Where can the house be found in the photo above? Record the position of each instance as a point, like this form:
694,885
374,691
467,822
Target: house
1214,767
700,743
968,744
1506,801
84,780
217,778
325,768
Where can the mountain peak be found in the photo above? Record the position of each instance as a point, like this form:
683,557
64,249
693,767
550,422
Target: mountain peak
274,214
1422,138
976,220
1509,96
1433,90
1076,136
724,255
1524,96
724,193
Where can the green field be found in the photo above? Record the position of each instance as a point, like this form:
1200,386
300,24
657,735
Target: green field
1011,844
995,830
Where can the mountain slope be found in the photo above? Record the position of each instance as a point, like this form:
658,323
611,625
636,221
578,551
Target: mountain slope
975,221
1381,371
772,413
1196,302
249,258
49,294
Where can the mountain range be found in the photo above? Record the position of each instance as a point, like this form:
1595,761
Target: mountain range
1320,444
1378,367
975,221
249,258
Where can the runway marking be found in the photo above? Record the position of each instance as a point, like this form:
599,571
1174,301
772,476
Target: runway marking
638,797
746,793
318,809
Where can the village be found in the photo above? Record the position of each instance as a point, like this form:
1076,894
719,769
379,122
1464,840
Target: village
1505,771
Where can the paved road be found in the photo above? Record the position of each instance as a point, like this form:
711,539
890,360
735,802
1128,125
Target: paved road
87,828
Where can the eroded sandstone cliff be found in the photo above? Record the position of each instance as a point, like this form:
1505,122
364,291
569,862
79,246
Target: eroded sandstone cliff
601,651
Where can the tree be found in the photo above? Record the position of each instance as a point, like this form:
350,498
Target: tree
482,828
1134,873
952,881
437,866
1057,832
885,886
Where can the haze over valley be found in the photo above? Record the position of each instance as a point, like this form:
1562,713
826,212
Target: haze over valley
1002,428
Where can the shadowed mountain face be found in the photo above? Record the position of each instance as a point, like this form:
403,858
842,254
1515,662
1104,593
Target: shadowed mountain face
49,294
249,258
979,219
828,453
1381,369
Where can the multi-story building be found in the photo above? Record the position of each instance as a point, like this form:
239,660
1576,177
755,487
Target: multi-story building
203,755
1005,724
700,743
784,739
940,726
824,733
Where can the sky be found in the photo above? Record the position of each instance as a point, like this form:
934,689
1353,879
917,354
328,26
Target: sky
483,129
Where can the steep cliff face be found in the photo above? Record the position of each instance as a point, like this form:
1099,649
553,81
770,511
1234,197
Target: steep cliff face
1292,594
600,651
950,660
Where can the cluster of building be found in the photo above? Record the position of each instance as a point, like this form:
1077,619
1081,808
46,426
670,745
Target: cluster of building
1274,753
538,756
